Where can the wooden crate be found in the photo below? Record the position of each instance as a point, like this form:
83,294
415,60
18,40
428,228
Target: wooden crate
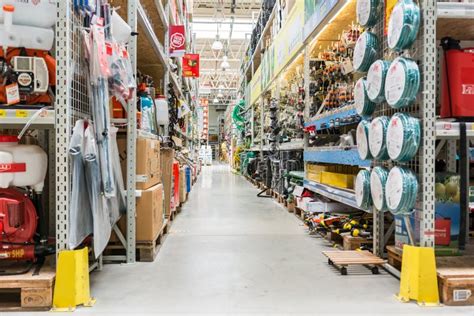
334,238
343,258
353,243
456,280
394,257
291,207
27,292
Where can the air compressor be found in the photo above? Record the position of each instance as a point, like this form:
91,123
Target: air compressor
23,229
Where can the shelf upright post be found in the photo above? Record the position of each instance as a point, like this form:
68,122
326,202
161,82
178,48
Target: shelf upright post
167,52
63,123
378,232
131,141
307,100
428,116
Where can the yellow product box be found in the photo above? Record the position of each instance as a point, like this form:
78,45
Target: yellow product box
338,180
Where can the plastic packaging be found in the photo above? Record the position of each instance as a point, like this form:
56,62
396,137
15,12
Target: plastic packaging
121,31
402,83
162,111
403,137
80,212
28,164
377,138
101,215
365,51
378,179
401,191
362,190
364,106
403,25
375,82
362,134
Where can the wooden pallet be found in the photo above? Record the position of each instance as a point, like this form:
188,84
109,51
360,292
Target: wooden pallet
353,243
148,250
341,259
394,257
291,207
456,280
27,292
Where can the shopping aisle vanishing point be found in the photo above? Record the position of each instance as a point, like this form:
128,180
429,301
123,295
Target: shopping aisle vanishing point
231,252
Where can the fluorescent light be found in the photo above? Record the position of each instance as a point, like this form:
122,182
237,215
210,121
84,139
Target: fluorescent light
217,45
216,100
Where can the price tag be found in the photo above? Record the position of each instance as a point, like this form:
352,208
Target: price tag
21,113
3,113
12,93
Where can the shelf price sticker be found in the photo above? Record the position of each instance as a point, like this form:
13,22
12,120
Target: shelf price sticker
21,113
3,113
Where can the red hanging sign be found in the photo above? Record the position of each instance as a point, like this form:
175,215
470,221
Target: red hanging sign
191,65
177,40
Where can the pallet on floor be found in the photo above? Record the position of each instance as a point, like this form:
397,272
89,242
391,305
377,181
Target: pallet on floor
456,280
148,250
27,292
394,257
353,243
341,259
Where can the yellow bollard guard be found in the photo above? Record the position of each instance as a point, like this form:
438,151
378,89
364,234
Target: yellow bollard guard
72,286
419,280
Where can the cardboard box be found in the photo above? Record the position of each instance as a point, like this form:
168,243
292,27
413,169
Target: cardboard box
167,158
182,185
447,227
148,168
149,215
149,218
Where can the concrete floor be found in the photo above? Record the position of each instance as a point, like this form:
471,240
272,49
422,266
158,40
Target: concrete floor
230,252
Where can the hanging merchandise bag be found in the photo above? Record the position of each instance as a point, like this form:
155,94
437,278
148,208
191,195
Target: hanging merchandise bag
80,215
98,202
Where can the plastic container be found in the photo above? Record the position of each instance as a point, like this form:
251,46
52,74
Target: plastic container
26,36
31,13
458,84
188,179
162,111
21,165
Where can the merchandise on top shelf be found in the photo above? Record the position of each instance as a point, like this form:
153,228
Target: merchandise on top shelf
457,84
403,25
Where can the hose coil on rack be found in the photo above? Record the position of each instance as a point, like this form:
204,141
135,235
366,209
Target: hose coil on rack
403,25
362,138
403,137
365,51
375,82
401,191
377,137
402,83
362,190
378,180
364,106
367,12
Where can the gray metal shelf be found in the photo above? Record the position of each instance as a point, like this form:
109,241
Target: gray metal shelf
16,118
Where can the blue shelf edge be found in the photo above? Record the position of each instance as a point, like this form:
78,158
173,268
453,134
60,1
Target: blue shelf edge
326,119
341,157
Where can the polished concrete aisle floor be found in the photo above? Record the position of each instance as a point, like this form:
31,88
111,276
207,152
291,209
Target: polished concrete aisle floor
230,252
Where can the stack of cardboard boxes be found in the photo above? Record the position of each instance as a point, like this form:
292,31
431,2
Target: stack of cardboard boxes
149,207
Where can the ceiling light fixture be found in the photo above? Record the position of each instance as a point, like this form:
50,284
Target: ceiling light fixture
225,63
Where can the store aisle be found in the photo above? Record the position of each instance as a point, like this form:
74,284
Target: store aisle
231,252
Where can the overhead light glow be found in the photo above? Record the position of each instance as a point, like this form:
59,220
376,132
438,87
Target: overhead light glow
225,63
217,45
